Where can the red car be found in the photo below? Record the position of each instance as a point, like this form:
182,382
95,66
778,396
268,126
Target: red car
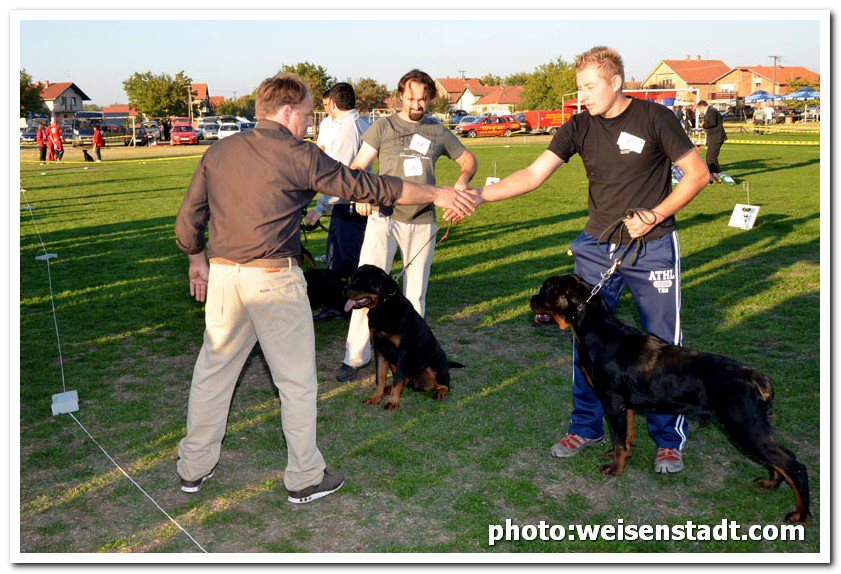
183,135
490,126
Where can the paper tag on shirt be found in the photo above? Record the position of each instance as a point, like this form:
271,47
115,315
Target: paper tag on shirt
628,143
412,167
420,144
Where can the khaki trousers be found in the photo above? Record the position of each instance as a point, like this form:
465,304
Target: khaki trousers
383,236
245,305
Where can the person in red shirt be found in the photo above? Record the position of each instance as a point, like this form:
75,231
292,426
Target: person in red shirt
98,142
56,143
41,140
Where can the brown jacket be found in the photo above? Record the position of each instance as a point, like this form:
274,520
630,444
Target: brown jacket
249,190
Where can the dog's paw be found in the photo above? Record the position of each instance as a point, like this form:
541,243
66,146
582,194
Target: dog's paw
372,400
439,396
391,405
767,482
609,470
798,517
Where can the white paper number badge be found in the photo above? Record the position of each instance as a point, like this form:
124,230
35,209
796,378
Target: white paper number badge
420,144
628,143
491,181
412,167
743,216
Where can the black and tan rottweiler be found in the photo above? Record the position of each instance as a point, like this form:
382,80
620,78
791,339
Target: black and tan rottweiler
632,370
88,157
403,342
325,288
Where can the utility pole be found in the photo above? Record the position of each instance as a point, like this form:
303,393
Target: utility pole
190,103
775,59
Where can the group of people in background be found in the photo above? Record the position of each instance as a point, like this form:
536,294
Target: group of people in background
50,142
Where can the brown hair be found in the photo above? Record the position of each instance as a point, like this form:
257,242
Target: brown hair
606,59
421,78
274,93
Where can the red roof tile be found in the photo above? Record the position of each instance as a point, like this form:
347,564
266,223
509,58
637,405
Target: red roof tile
120,109
784,74
199,91
500,95
698,71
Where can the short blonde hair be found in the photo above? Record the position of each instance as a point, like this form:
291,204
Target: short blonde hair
274,93
606,59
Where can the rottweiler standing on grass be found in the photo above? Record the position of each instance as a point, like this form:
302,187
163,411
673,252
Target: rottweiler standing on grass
629,370
403,342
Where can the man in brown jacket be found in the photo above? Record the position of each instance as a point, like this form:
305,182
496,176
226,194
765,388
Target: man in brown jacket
248,191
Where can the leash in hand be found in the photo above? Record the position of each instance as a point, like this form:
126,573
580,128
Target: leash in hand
636,245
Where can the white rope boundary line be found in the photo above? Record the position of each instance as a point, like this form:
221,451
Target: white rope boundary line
61,363
31,210
137,485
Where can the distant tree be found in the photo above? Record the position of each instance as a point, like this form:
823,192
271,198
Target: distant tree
798,83
30,96
546,86
491,79
440,105
159,95
370,94
92,108
242,106
316,78
518,79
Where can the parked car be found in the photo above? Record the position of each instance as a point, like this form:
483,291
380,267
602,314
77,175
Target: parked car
183,134
140,137
246,126
490,126
227,129
208,131
153,128
227,120
28,134
467,120
67,132
456,117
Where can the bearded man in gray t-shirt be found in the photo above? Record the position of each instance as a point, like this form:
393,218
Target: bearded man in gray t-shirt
408,145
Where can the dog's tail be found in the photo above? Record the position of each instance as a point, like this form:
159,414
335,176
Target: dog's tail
454,365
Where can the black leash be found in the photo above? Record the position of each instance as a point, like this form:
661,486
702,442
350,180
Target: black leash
635,247
440,241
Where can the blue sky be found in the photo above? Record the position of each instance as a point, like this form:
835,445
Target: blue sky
235,55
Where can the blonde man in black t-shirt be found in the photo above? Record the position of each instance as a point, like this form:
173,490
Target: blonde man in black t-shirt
627,146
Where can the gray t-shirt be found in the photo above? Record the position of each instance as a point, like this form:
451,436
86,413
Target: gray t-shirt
409,151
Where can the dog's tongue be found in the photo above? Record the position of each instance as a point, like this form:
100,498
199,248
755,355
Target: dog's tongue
349,305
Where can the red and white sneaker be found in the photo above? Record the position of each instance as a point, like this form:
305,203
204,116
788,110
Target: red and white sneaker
668,461
571,443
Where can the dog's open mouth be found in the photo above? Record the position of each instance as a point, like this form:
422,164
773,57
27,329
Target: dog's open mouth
543,319
357,304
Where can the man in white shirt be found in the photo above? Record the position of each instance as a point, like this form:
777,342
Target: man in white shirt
342,142
324,127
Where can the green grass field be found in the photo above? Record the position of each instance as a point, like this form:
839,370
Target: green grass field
429,477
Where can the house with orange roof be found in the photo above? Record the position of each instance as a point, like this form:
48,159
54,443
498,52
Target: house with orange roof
742,81
63,99
685,74
497,99
453,89
215,102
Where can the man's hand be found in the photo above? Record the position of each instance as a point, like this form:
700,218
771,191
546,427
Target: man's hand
312,217
457,204
453,216
199,273
642,222
363,209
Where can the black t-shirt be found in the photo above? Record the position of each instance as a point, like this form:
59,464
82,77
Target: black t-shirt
627,158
